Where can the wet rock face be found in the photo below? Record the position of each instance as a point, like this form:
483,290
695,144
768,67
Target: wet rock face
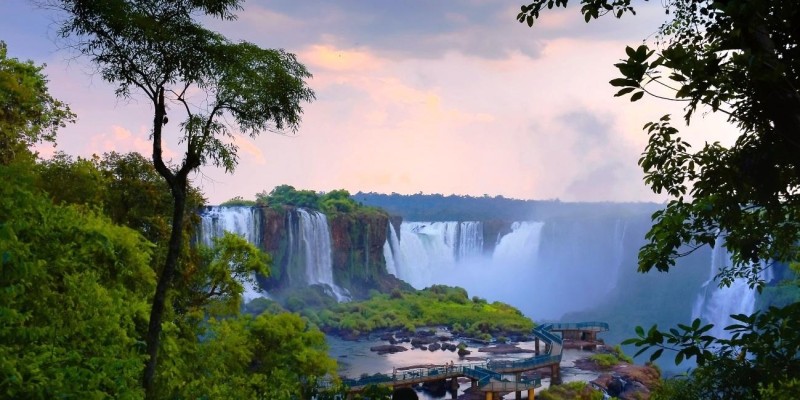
273,228
615,386
623,386
357,240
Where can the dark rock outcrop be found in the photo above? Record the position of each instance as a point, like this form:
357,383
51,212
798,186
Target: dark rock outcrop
629,381
419,341
492,230
387,349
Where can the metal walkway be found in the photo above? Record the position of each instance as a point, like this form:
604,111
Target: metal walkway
488,375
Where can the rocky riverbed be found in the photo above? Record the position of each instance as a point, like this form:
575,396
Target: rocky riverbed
396,351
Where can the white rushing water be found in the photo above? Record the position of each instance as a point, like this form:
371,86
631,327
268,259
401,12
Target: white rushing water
392,241
543,269
716,304
239,220
520,246
315,244
242,221
427,248
470,239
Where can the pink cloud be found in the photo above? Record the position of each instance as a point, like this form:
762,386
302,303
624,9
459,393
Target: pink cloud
330,58
122,140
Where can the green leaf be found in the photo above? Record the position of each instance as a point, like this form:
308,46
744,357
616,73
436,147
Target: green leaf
623,82
636,96
677,77
656,354
624,91
639,331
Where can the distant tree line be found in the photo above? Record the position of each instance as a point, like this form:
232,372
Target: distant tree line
438,207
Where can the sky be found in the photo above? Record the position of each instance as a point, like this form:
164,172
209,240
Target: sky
451,97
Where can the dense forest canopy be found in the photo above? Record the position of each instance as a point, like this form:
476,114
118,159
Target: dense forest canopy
160,49
438,207
335,201
437,305
82,244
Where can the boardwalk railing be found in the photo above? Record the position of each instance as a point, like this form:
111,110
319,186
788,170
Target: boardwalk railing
482,375
591,325
482,372
543,332
524,364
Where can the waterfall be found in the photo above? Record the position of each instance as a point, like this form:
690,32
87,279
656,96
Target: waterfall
242,221
391,247
470,239
618,254
428,248
315,242
545,269
519,247
716,304
239,220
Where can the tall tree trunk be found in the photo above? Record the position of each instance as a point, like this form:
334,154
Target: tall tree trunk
177,184
153,338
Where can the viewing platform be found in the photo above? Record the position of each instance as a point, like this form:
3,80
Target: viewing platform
582,335
488,376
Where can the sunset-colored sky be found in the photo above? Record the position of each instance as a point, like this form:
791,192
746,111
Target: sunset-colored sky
451,97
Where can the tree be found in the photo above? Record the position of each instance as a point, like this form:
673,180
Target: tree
158,48
287,195
128,190
28,114
337,201
739,58
74,300
263,357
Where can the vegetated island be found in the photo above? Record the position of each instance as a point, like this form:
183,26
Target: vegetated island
438,305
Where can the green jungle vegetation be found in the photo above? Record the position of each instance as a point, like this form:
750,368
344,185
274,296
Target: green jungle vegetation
608,360
569,391
238,201
78,274
330,203
437,305
407,310
83,245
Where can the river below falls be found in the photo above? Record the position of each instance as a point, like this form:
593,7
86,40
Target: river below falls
355,358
